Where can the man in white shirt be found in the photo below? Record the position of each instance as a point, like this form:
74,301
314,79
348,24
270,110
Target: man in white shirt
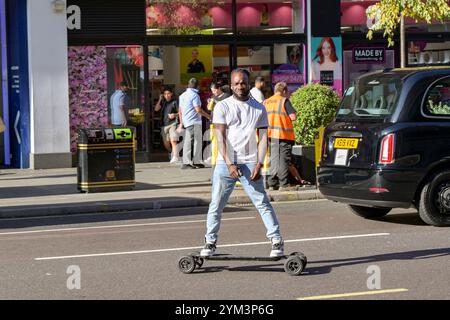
238,120
256,91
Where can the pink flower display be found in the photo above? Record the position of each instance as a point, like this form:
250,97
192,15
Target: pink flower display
87,89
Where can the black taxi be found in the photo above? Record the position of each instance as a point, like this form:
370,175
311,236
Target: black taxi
389,145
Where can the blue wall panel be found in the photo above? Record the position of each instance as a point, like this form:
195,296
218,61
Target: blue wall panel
19,103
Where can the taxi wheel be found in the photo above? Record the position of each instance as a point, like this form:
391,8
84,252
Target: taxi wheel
369,212
434,204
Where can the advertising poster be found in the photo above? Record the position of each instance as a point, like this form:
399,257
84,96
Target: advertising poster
294,55
326,64
360,60
196,62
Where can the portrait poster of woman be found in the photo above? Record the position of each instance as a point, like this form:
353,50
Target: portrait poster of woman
326,62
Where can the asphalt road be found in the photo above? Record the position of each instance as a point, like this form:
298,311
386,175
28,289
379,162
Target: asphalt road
135,255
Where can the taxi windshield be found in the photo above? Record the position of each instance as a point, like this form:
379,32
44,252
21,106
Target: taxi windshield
371,97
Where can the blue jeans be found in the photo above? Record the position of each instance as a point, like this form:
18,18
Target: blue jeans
222,187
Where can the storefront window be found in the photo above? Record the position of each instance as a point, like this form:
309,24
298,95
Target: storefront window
428,53
187,17
289,66
256,59
95,72
126,64
359,60
269,17
172,67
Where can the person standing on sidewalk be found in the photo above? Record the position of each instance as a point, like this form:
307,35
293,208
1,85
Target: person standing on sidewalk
169,109
119,106
238,120
281,115
191,114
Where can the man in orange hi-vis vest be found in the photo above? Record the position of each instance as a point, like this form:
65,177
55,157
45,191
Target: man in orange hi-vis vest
281,115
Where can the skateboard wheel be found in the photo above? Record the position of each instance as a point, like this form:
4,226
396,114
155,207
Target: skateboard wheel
186,264
294,265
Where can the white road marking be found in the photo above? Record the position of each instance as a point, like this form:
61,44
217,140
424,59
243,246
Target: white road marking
353,294
221,246
116,226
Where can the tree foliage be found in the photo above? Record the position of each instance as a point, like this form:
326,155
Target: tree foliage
388,13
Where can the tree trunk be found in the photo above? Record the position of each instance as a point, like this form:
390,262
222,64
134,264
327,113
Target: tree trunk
402,42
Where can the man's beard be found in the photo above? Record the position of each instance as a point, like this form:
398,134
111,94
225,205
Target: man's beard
244,97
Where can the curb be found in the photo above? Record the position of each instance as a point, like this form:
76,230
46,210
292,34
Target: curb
134,205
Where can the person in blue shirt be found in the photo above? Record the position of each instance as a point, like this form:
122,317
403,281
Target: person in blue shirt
119,106
191,114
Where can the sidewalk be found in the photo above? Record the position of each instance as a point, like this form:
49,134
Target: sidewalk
26,193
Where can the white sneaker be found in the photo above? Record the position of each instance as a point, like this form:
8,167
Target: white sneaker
208,250
174,160
277,248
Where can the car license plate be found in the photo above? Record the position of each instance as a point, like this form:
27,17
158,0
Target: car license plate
345,143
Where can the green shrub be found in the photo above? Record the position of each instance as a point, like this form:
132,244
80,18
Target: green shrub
316,106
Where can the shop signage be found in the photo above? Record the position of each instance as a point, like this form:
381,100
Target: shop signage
369,55
288,78
100,18
73,17
430,57
327,78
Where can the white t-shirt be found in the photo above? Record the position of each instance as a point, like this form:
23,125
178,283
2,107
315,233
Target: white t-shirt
242,119
257,94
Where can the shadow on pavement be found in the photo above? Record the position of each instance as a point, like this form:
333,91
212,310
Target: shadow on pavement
74,175
275,267
408,218
408,255
67,189
110,217
310,271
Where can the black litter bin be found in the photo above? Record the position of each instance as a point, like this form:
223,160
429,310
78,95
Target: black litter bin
106,159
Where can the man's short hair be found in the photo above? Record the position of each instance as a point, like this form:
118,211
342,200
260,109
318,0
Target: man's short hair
216,85
193,83
167,88
123,84
259,79
242,71
280,87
